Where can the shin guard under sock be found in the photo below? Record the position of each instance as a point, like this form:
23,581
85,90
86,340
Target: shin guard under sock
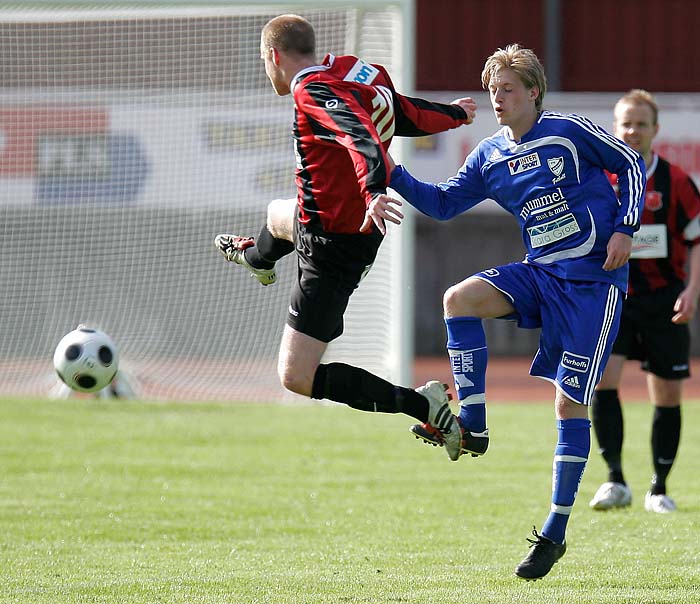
570,457
608,424
466,345
665,437
267,250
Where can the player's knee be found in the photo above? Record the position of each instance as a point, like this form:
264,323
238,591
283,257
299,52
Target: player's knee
280,218
295,381
454,302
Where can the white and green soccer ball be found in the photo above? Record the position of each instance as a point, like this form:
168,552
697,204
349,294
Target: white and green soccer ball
86,359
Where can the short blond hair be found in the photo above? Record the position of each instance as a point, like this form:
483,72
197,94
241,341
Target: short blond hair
638,96
290,34
524,62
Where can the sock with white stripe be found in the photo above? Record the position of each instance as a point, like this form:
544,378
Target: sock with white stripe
466,345
570,457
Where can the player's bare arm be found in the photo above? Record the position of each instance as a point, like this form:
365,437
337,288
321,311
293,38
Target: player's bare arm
619,250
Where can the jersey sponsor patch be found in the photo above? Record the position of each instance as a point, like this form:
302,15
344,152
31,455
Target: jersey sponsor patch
362,73
523,164
553,231
575,362
650,241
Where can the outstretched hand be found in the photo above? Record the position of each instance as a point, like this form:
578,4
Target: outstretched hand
381,209
469,105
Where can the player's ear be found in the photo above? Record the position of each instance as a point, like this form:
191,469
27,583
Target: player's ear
534,92
275,56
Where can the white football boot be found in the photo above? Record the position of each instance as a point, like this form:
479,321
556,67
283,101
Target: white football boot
611,495
233,247
440,416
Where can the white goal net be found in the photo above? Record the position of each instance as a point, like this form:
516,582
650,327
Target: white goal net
129,137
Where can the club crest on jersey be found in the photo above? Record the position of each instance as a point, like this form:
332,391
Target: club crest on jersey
556,165
362,73
653,201
523,164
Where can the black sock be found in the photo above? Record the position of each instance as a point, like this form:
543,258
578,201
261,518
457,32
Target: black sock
365,391
267,250
665,436
606,413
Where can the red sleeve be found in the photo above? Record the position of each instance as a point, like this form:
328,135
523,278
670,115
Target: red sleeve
419,117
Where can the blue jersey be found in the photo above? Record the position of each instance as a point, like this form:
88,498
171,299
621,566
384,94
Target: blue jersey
553,181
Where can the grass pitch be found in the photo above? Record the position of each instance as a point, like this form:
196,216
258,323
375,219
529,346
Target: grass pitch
113,501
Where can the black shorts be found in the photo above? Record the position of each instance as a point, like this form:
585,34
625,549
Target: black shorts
330,267
648,335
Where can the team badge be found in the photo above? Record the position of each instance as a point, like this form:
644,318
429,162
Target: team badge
653,201
556,165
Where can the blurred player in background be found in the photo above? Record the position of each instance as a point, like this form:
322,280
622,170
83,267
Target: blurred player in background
548,170
655,315
346,112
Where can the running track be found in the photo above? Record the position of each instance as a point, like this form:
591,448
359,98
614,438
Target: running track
508,380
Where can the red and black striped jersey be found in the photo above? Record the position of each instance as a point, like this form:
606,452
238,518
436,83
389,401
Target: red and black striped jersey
346,112
660,248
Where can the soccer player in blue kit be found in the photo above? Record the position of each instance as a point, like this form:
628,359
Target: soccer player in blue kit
547,170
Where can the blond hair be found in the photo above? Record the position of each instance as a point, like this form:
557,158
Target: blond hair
638,96
291,34
524,62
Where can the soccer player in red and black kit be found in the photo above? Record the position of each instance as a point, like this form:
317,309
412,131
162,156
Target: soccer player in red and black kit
346,113
660,303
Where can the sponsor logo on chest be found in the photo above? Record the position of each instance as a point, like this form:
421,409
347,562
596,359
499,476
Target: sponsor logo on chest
553,231
523,164
650,242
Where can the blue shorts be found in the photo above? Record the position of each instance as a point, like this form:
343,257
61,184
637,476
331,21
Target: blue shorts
579,321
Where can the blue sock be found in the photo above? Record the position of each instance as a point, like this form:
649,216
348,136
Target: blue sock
570,459
466,345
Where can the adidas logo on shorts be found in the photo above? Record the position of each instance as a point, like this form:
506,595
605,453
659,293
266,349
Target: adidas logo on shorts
572,381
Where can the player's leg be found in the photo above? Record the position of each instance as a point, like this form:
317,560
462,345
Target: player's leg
667,358
276,239
301,371
465,305
665,438
274,242
579,326
330,269
608,424
489,294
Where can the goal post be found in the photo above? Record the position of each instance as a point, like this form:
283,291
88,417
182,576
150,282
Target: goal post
131,133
